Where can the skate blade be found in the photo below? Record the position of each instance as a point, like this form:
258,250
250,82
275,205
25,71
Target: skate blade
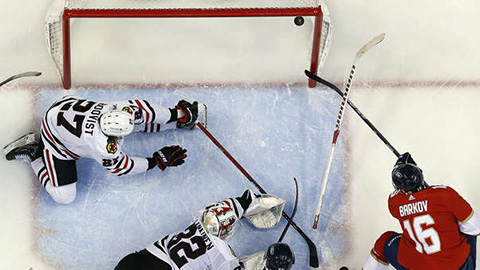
22,141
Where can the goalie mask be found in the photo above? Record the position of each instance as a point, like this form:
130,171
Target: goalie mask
116,123
220,219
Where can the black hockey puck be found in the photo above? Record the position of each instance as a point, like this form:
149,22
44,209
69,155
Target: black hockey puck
343,268
299,20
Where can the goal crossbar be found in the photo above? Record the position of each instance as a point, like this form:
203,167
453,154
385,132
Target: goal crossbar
64,65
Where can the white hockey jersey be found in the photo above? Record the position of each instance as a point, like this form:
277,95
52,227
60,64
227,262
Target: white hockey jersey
195,249
70,130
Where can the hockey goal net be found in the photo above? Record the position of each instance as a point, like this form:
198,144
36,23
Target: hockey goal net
59,19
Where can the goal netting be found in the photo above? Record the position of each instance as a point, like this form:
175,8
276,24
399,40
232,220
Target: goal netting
61,28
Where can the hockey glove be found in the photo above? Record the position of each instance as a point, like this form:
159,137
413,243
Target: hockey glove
190,112
405,158
170,156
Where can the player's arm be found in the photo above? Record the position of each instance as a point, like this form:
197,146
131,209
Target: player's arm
468,220
151,117
122,164
471,225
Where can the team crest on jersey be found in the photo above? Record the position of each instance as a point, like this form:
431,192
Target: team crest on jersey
112,146
127,109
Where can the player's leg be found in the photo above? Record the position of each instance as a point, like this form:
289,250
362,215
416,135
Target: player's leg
470,262
28,150
384,252
57,176
24,149
390,249
142,260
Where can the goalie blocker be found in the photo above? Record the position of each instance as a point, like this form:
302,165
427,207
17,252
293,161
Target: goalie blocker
262,211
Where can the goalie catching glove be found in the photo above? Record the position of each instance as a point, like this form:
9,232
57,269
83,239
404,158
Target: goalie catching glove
170,156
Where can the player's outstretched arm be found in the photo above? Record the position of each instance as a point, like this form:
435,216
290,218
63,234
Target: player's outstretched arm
168,156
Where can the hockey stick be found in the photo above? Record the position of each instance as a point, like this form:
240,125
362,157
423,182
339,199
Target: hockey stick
311,246
338,125
294,211
21,75
365,119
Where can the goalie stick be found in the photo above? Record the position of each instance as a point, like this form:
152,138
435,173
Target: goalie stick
21,75
294,211
341,112
311,246
355,108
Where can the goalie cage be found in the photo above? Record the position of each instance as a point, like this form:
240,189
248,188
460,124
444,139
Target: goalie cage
58,21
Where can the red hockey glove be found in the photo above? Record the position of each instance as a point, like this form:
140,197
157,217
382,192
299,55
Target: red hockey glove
189,111
170,156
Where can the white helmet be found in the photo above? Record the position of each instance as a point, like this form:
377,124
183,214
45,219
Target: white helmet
116,123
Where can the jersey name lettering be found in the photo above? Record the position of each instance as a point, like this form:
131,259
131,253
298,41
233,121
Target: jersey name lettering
93,118
413,208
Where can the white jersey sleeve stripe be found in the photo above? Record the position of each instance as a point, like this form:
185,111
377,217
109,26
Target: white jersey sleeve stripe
120,169
152,111
147,113
132,164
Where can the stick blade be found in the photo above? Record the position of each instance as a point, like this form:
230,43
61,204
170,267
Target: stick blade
374,41
28,74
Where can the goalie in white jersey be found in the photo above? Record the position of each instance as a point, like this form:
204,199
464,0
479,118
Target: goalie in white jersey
202,246
74,128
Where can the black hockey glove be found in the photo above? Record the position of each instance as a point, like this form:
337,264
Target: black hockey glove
405,158
170,156
190,112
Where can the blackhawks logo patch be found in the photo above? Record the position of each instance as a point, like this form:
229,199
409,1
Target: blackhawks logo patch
127,109
112,146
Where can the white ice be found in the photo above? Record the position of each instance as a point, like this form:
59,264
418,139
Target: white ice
419,88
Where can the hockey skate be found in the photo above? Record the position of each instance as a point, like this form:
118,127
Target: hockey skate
24,148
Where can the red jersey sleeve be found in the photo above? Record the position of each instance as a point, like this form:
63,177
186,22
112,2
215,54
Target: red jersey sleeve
460,208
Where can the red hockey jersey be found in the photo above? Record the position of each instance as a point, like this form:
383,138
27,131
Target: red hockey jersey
429,218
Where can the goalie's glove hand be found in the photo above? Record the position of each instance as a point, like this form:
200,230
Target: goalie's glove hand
190,112
170,156
405,158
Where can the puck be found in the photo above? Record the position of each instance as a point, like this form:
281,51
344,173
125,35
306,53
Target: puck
299,20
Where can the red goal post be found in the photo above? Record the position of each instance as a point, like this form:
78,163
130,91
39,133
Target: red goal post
58,21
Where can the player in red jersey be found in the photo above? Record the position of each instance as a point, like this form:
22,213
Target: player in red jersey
439,226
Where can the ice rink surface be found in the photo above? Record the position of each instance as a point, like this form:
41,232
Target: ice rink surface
114,216
420,88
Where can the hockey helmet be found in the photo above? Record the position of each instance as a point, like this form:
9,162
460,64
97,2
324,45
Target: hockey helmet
116,123
220,220
279,256
407,177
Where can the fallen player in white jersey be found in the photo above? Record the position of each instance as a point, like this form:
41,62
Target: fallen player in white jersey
74,128
202,246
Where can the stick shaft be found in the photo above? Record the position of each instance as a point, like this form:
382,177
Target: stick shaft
370,44
311,246
294,211
355,108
